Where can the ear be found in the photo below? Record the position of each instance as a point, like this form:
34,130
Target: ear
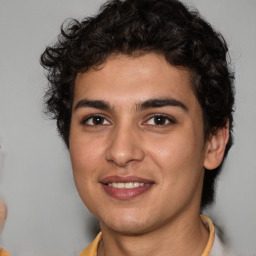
215,147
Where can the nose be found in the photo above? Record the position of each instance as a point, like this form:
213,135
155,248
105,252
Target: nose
125,146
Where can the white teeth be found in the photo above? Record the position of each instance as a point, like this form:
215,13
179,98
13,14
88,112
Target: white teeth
126,185
137,184
120,185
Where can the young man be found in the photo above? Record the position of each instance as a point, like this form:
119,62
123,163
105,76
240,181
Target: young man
143,98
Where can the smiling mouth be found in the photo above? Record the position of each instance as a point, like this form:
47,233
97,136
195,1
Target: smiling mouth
125,187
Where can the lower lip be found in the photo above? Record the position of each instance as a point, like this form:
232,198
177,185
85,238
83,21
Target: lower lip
121,193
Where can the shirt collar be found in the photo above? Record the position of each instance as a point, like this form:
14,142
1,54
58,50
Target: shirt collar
91,250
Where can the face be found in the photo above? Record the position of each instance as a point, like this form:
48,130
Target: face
137,143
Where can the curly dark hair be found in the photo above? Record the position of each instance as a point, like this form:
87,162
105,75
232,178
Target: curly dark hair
133,27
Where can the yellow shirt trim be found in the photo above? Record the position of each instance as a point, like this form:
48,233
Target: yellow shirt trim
209,225
91,250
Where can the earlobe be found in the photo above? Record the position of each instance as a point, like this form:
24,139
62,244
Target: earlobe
215,148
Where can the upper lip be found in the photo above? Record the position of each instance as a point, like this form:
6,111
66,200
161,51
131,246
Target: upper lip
125,179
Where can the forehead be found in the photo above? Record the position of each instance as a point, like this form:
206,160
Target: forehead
124,78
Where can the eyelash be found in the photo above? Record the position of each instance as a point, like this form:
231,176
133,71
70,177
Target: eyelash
103,119
85,121
164,117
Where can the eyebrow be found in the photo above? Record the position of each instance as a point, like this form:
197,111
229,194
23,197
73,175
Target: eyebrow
151,103
161,102
99,104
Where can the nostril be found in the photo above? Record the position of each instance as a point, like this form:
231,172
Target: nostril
124,148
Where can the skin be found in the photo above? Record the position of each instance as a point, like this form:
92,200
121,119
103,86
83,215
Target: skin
3,214
126,139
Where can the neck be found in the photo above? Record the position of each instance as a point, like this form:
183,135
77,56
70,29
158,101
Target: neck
185,237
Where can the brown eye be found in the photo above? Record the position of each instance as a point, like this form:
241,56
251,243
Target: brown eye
159,120
95,120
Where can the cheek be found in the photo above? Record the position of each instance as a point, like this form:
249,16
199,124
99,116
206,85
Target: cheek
85,154
170,151
84,161
178,156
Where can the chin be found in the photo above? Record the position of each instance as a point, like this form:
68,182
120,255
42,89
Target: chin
128,224
129,229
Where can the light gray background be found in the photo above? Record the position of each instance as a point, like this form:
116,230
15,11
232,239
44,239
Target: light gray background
46,216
